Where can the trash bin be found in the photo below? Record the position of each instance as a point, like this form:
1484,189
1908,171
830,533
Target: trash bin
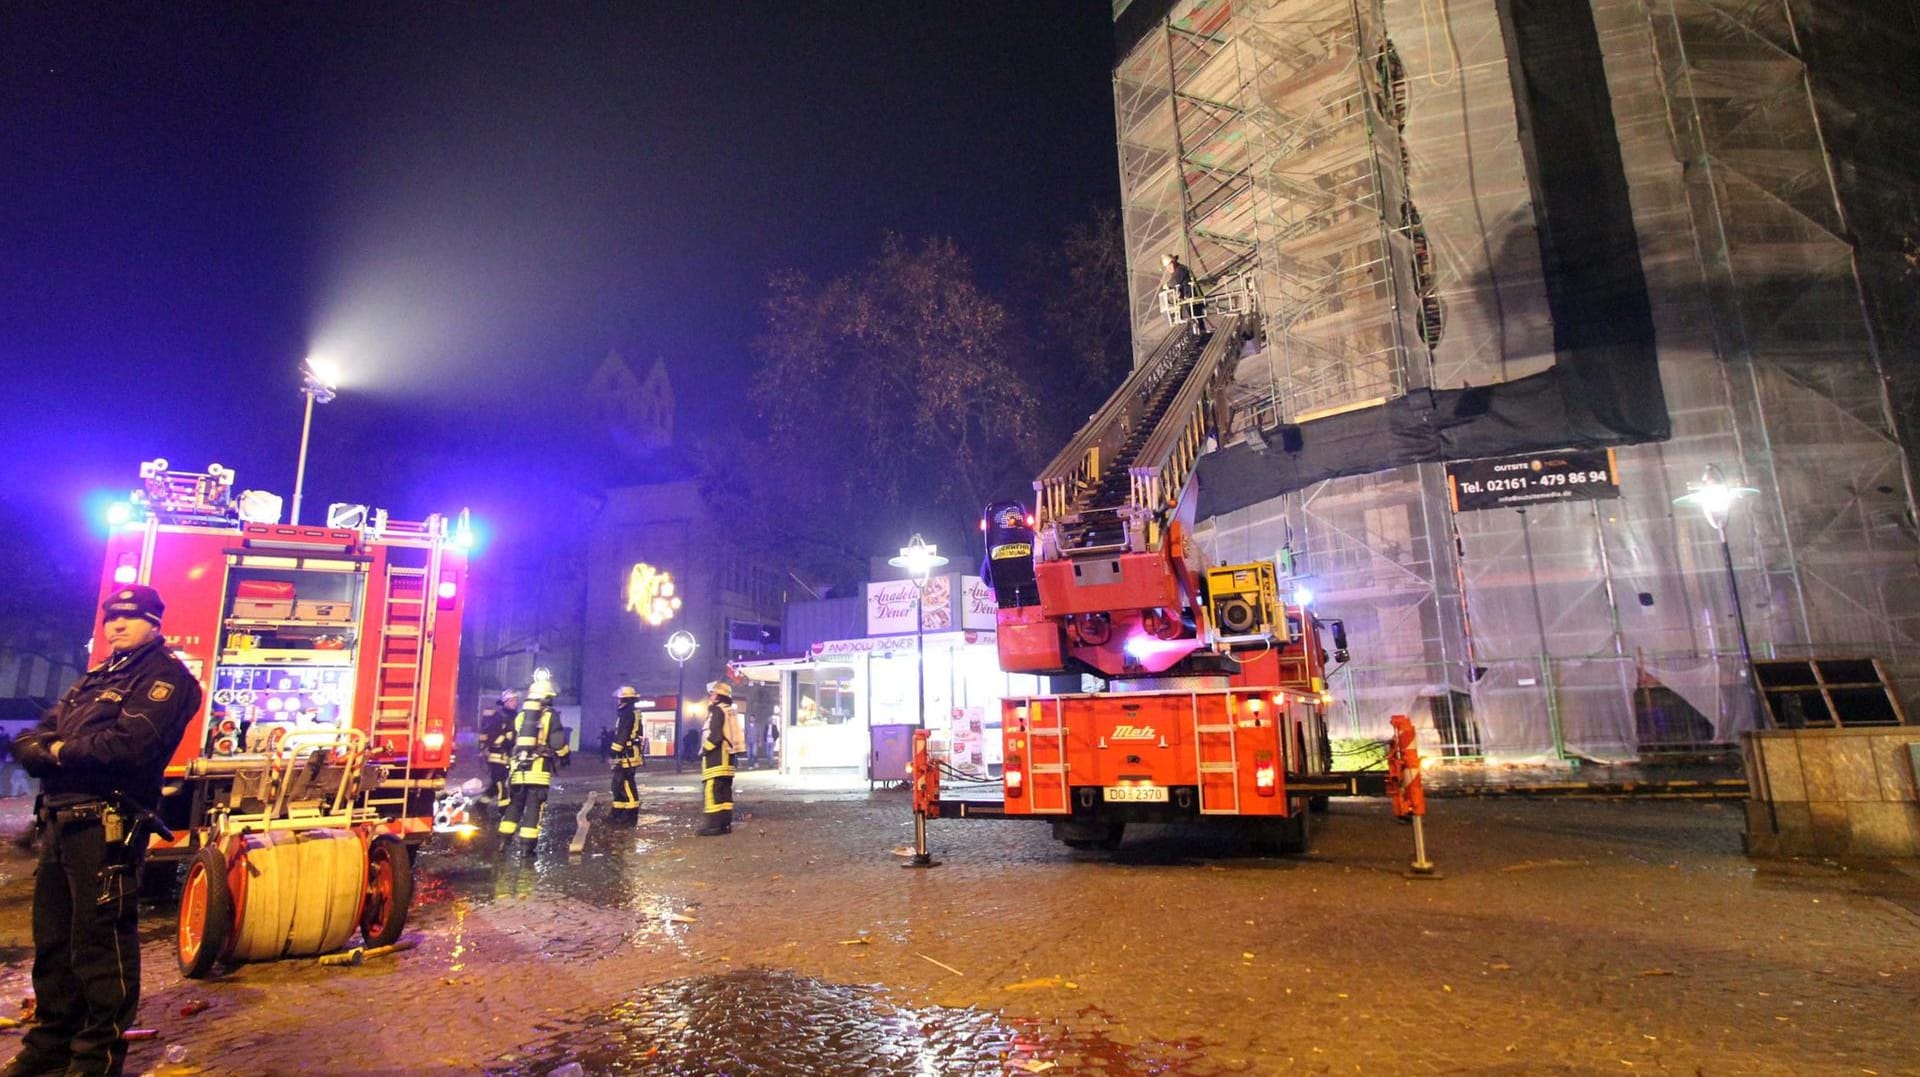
890,753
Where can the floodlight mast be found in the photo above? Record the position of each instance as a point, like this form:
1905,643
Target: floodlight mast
317,385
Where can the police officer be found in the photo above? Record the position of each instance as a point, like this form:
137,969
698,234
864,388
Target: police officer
496,734
539,744
100,756
717,749
629,754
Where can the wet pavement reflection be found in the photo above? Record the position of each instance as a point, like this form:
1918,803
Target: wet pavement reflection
778,1024
483,868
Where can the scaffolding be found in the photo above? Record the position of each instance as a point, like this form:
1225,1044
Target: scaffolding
1363,161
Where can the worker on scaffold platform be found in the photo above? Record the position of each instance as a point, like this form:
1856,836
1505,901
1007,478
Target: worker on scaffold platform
1181,294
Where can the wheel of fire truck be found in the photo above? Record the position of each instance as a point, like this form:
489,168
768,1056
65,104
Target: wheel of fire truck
1321,804
1285,837
206,914
389,891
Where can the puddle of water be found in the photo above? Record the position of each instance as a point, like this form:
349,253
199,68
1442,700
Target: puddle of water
770,1023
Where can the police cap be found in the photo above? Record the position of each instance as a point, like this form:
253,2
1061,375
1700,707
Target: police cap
134,600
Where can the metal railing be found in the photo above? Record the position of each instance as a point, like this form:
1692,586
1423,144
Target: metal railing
1158,469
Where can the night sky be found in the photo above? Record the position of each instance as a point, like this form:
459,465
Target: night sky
466,206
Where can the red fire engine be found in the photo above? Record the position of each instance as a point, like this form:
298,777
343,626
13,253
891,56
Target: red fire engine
328,657
1213,705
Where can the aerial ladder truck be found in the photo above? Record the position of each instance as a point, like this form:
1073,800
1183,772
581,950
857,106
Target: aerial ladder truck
1211,699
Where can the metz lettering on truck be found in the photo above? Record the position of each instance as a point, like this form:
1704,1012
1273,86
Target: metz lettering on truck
1133,732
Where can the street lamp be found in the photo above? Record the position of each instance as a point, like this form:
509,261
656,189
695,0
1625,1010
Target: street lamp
317,381
1715,499
919,560
680,647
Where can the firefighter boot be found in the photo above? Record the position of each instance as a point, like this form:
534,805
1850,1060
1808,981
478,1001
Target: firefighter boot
29,1064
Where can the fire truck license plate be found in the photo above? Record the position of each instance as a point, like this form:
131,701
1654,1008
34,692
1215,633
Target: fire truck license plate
1154,793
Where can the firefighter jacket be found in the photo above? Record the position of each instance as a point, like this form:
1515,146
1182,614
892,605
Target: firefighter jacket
629,740
496,735
118,725
539,742
724,728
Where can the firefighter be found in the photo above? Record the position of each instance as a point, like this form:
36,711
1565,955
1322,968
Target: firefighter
496,734
723,740
100,756
539,744
629,749
1177,279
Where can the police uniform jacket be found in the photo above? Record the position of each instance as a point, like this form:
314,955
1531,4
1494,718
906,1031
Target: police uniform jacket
629,741
539,740
119,724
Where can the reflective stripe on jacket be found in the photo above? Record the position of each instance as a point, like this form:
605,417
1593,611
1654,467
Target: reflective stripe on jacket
538,740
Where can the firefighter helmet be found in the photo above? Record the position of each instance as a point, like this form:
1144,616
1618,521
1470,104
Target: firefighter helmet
721,689
626,692
542,686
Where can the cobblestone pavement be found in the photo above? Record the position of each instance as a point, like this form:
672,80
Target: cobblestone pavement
1567,937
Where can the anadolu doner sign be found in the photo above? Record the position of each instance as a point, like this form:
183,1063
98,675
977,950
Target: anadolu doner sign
890,605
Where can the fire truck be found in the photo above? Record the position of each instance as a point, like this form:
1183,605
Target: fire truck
1212,698
328,657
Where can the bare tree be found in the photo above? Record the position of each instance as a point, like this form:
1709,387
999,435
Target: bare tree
890,399
1088,313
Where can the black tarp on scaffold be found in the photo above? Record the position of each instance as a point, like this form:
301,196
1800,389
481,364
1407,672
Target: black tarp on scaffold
1604,387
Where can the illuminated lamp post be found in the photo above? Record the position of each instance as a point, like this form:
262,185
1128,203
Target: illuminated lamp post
1715,499
919,560
680,647
317,385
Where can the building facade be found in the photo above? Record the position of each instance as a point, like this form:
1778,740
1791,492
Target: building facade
659,562
600,565
1671,229
869,670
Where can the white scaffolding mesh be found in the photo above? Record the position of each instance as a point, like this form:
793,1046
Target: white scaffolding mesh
1364,160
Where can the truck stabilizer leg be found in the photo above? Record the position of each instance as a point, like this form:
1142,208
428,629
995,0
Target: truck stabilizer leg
1406,786
926,800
